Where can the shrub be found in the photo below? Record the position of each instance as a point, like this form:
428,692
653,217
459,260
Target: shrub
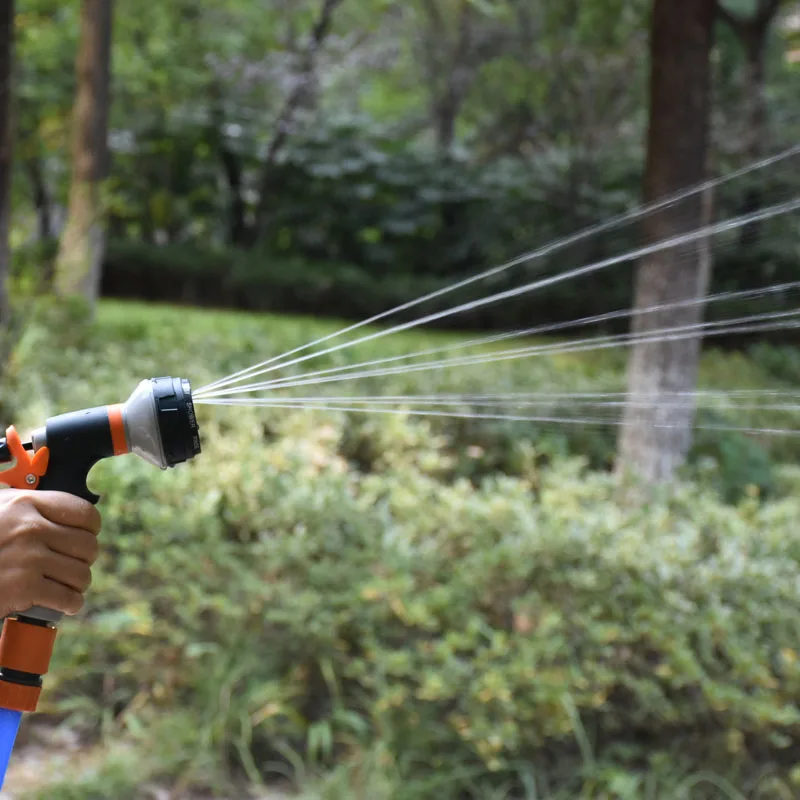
191,275
317,591
781,362
286,600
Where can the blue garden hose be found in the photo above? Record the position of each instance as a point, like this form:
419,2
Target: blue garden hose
9,726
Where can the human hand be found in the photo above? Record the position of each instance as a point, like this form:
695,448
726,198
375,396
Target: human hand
48,544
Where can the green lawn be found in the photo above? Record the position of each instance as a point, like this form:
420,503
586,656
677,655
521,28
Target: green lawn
208,344
131,341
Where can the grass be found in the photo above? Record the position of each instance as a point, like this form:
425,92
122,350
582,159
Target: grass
133,340
234,339
206,345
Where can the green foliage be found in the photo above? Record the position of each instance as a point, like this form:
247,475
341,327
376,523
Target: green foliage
394,207
187,274
781,362
470,629
220,277
736,463
405,220
318,591
349,191
549,141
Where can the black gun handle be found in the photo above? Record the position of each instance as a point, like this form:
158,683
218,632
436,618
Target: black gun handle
70,478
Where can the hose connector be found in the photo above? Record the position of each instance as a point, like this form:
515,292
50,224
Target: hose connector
26,648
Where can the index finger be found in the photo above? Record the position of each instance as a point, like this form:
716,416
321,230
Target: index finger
66,509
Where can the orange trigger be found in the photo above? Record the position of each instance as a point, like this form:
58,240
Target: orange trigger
24,470
41,461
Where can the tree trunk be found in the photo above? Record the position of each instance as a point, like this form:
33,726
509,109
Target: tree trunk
232,168
656,438
80,256
237,223
755,46
41,199
446,113
756,120
6,149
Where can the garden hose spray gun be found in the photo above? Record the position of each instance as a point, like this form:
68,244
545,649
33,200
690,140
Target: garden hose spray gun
157,423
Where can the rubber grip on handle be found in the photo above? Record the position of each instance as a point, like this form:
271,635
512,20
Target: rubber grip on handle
70,478
42,614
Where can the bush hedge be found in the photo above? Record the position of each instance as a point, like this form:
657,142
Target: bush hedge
524,630
250,281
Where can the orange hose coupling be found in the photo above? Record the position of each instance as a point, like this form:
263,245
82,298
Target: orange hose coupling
26,648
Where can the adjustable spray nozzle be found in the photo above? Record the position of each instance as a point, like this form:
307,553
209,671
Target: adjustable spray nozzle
157,423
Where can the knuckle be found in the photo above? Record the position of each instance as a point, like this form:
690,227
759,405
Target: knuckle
92,519
26,521
27,542
17,497
74,603
18,505
40,558
22,588
92,549
31,527
85,547
86,579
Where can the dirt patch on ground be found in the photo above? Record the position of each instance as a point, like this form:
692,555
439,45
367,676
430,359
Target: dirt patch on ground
47,754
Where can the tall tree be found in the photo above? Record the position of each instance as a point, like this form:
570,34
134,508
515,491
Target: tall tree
656,434
6,73
80,256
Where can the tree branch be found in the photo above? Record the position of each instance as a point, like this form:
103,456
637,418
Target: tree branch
461,51
734,20
767,9
458,80
434,40
434,15
756,24
319,33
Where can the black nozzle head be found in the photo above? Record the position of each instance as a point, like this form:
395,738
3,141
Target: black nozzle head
177,423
